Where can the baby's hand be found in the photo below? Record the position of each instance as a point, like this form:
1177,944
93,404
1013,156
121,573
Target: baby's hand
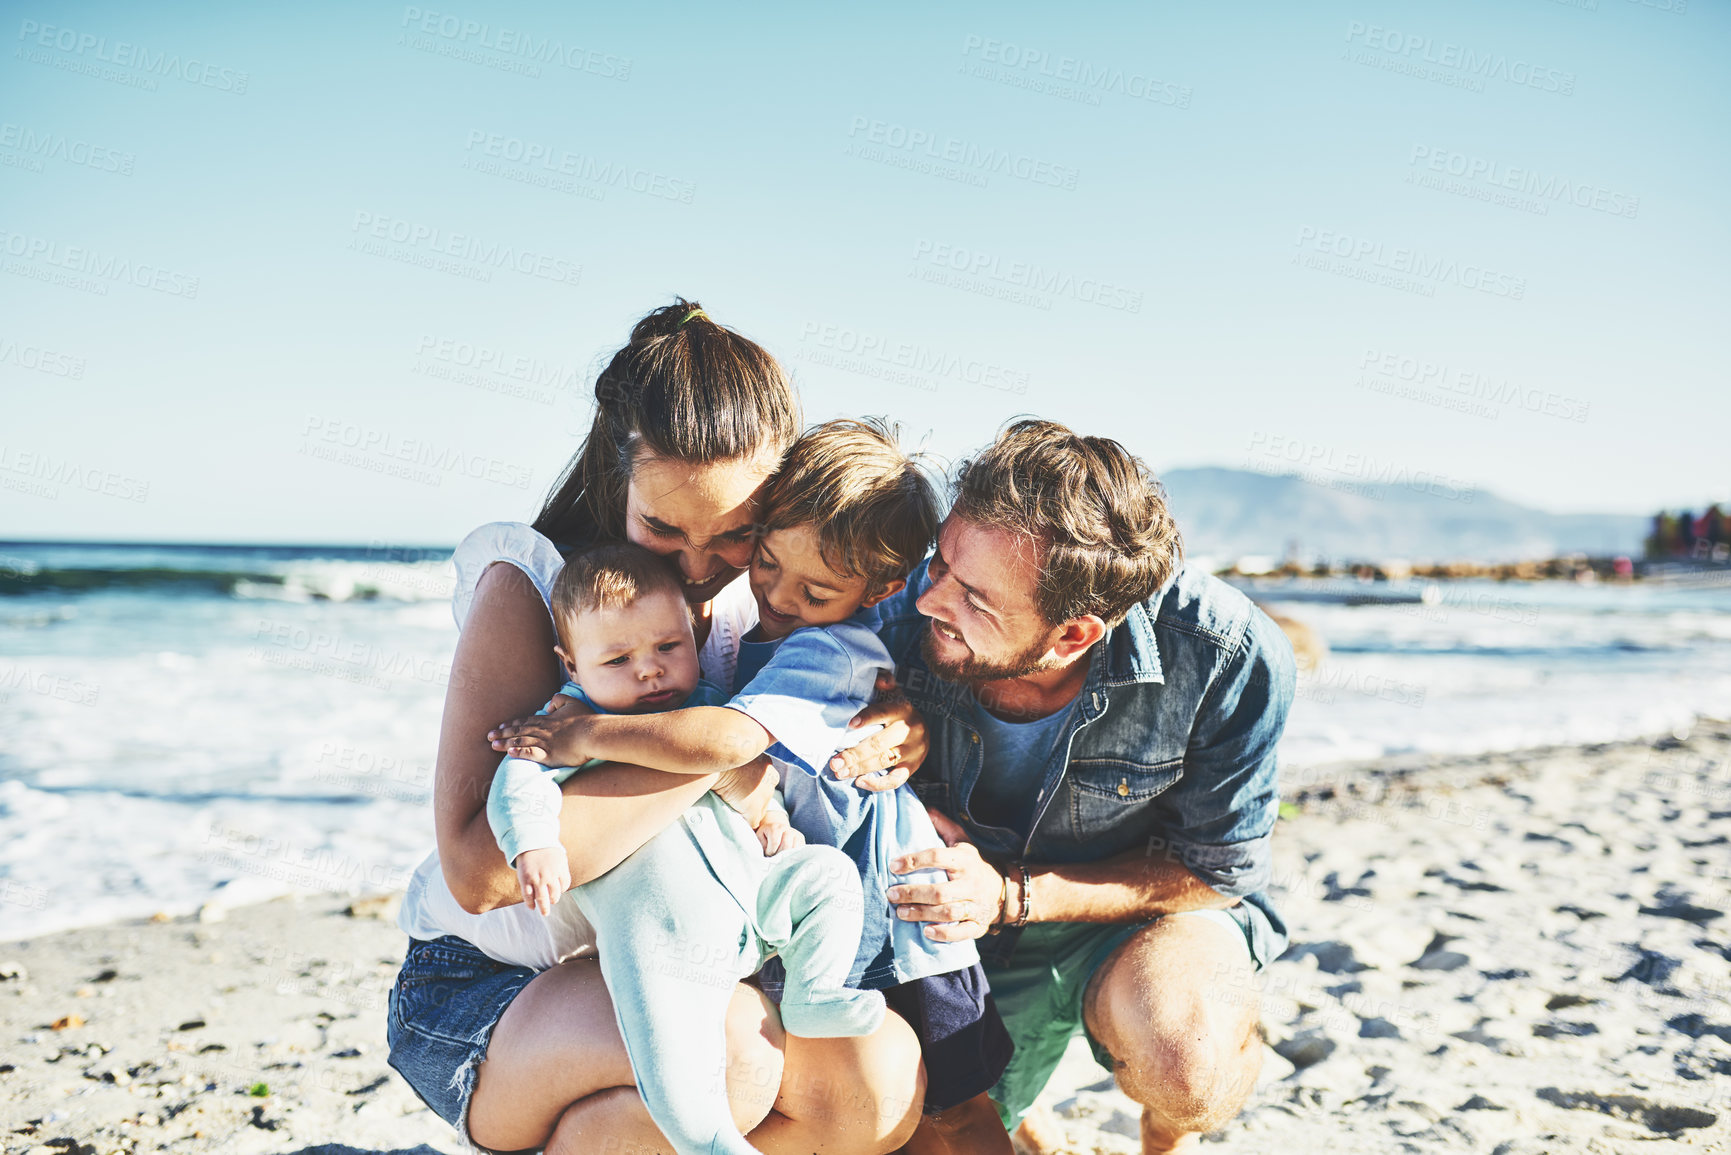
776,834
544,875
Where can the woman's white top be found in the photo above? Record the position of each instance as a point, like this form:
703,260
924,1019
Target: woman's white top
517,934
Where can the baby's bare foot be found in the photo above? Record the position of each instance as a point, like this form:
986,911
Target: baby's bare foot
749,788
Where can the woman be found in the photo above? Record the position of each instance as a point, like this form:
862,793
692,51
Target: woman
691,419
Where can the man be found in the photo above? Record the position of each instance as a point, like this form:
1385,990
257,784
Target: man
1103,725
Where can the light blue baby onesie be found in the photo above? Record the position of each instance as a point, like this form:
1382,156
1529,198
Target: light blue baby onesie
684,918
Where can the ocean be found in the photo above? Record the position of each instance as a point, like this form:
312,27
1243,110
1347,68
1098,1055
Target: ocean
188,724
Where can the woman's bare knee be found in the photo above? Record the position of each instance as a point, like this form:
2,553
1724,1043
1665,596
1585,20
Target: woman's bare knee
867,1093
615,1122
754,1056
899,1081
556,1044
557,1073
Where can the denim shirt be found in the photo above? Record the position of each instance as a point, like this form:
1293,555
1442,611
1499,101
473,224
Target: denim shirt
1171,750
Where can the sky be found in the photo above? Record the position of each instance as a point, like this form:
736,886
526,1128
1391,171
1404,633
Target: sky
331,272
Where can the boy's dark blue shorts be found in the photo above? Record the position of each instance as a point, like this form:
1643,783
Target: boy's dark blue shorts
962,1040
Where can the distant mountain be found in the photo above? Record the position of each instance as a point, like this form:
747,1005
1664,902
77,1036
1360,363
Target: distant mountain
1230,513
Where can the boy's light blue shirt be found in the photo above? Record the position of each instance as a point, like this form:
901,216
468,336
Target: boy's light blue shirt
523,804
816,681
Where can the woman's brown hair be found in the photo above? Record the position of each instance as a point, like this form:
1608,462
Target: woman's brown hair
683,388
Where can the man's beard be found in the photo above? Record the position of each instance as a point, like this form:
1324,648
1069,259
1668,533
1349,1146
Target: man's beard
974,670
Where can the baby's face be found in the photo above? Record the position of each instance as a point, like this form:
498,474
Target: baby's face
795,587
640,659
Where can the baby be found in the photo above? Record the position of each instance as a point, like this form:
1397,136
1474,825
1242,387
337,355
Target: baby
845,520
699,906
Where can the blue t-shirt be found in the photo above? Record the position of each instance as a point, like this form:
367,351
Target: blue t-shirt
755,651
1016,756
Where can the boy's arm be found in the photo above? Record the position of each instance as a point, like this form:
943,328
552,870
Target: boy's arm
695,740
523,807
802,699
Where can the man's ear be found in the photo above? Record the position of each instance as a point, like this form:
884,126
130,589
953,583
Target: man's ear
889,588
1077,635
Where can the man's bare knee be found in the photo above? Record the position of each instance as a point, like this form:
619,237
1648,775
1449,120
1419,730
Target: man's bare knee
1177,1076
1183,1050
1194,1076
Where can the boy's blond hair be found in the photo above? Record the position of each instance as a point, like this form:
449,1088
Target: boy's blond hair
607,577
874,509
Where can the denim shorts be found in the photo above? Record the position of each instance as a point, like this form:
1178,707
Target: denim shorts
446,1002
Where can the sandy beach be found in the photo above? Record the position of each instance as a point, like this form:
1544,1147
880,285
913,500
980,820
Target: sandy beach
1510,953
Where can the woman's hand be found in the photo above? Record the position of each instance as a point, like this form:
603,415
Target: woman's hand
552,739
898,749
964,907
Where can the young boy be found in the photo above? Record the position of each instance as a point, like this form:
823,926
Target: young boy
700,905
845,520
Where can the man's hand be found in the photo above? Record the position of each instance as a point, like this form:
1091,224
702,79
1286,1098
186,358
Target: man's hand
749,789
552,739
964,907
901,744
776,833
544,875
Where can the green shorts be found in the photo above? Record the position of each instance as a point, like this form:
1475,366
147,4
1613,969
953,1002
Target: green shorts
1039,995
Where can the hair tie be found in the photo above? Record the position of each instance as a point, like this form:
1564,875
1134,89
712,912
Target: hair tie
688,316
